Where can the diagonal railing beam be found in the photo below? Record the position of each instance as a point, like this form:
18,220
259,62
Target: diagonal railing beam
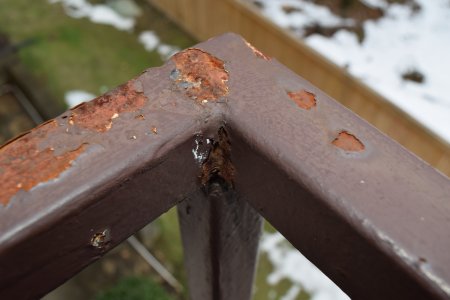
371,215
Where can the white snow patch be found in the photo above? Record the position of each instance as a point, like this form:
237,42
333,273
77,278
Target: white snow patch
289,263
292,293
307,14
97,13
198,152
152,42
400,41
166,51
375,3
149,39
75,97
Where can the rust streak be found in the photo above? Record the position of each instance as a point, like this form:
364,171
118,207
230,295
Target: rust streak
348,142
218,164
23,165
303,99
201,75
99,113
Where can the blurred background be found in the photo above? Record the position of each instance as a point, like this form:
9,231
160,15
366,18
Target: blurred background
384,59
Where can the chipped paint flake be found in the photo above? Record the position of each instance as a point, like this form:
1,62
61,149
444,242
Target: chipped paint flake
303,99
23,165
107,107
348,142
200,75
257,52
199,153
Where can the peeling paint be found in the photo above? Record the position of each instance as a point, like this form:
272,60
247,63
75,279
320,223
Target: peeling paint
107,107
303,99
199,152
101,239
23,165
257,52
348,142
200,75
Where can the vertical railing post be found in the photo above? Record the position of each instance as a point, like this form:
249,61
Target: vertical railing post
220,235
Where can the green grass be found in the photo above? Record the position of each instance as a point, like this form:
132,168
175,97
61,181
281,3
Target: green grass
77,54
135,288
168,247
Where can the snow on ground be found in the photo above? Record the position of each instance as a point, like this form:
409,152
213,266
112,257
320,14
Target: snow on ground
399,42
149,39
307,13
106,14
75,97
290,264
97,13
151,42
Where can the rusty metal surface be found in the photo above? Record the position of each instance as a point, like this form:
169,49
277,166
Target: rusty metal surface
200,75
371,215
124,178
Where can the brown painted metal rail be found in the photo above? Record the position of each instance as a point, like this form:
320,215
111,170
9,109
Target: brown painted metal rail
227,134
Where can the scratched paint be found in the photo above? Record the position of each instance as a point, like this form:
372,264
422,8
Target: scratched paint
257,52
348,142
23,165
303,99
200,75
107,107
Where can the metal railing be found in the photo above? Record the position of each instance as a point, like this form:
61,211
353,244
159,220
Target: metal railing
228,135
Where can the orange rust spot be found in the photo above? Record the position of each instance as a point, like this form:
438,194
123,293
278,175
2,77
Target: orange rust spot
154,130
201,75
303,99
99,113
139,117
23,165
257,52
348,142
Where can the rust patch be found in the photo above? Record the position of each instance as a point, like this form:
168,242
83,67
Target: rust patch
99,113
23,165
154,130
101,239
201,75
218,163
303,99
257,52
348,142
